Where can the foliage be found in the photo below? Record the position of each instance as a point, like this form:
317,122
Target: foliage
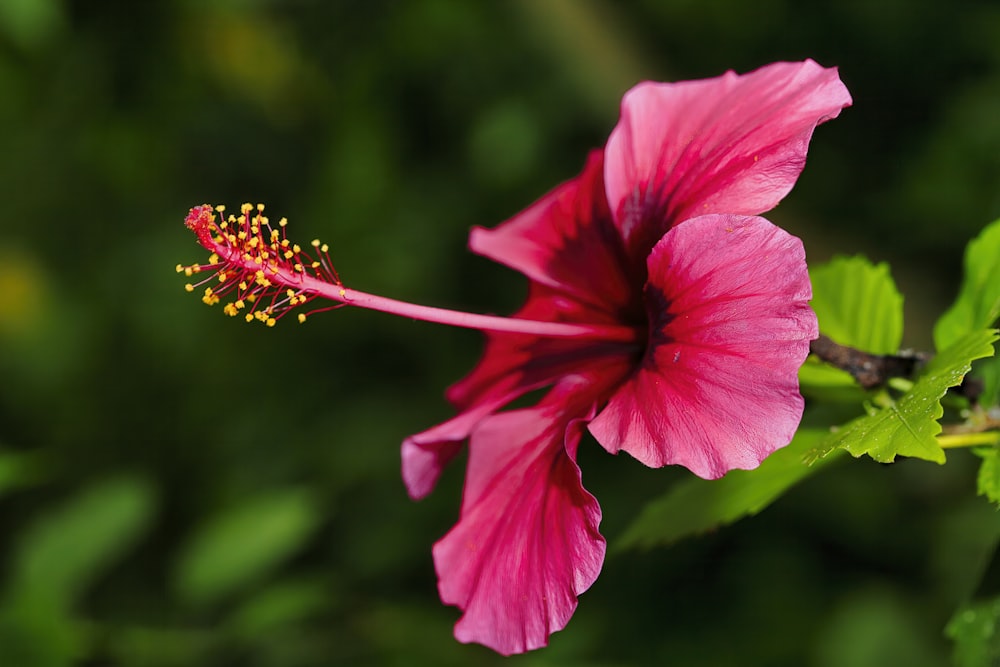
144,442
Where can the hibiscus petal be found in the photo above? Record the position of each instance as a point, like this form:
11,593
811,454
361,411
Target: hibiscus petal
733,144
527,543
567,242
512,365
730,327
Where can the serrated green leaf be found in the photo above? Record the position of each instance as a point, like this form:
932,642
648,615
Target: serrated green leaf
908,427
978,303
65,549
975,629
857,304
698,505
239,546
988,479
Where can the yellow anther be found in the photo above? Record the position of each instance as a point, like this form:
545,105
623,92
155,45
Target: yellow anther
213,259
248,317
315,243
180,269
220,208
188,271
239,304
315,265
289,254
189,287
242,236
254,242
246,207
282,222
251,297
223,277
260,207
229,309
270,321
243,286
291,293
275,236
302,318
284,243
325,248
296,248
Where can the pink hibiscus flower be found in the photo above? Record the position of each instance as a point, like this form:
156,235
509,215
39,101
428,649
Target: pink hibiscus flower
663,316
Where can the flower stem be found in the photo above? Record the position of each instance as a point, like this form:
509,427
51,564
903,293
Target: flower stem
969,439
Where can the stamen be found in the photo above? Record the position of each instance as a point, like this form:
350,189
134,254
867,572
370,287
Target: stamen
264,276
253,262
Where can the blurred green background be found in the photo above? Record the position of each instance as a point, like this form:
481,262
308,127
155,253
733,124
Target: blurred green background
179,488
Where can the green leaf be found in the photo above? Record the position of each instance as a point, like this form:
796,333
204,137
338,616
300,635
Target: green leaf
857,304
988,480
63,551
908,427
698,505
974,629
978,303
239,546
